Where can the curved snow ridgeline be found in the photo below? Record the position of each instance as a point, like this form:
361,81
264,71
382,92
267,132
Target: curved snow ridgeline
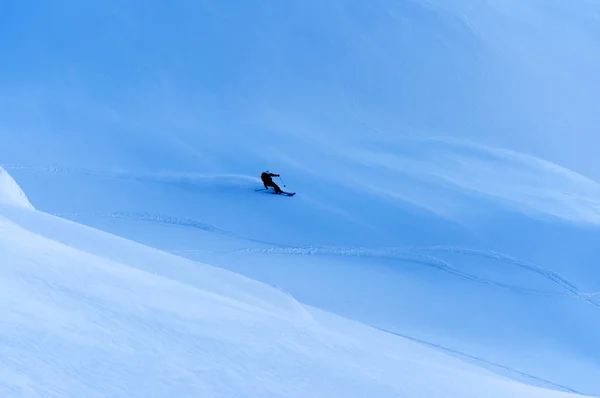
10,192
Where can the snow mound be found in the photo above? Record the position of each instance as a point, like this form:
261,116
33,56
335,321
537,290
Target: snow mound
10,192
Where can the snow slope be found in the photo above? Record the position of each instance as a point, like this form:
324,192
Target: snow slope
86,313
11,192
444,154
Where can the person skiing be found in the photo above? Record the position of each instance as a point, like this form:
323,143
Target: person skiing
267,179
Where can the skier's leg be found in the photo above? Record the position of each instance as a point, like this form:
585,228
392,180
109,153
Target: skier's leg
276,187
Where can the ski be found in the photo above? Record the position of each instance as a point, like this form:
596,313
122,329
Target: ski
283,193
275,193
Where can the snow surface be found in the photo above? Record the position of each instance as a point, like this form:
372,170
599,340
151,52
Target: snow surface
444,154
78,323
10,192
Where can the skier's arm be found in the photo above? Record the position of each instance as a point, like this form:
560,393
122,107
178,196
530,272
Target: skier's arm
274,175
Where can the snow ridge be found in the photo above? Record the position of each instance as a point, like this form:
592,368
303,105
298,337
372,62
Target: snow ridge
10,192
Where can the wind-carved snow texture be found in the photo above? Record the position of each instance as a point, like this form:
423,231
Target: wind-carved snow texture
10,192
523,182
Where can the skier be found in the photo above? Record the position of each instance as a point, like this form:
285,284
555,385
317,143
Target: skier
267,180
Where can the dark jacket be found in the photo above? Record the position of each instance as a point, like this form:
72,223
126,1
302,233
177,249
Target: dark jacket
267,178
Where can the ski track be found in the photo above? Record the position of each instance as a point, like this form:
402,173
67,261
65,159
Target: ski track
485,361
544,272
165,177
149,217
165,220
394,253
412,255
